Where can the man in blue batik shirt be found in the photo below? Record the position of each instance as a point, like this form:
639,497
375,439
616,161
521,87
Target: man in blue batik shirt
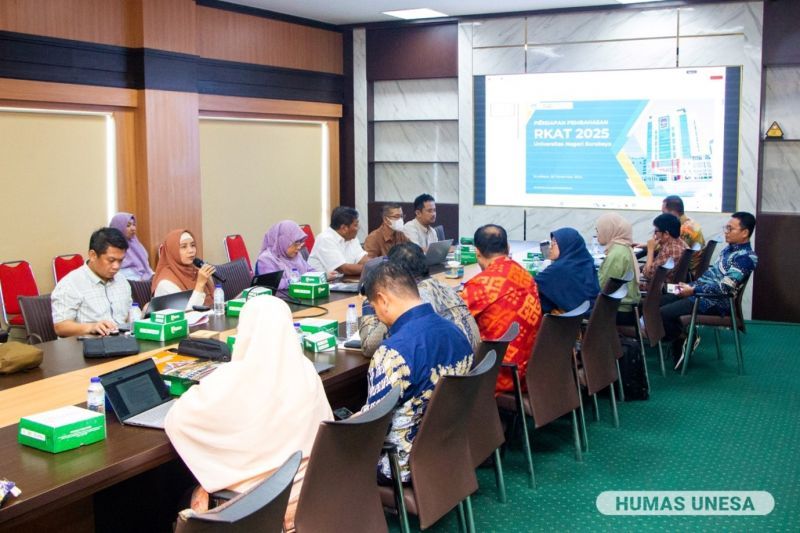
725,277
421,347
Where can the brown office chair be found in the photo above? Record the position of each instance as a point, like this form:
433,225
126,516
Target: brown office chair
339,490
237,277
484,428
705,259
612,286
262,508
653,325
552,391
442,473
734,322
37,312
598,355
140,291
680,273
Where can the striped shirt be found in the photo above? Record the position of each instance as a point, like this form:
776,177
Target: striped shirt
85,298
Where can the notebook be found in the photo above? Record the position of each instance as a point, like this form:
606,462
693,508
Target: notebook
138,394
437,252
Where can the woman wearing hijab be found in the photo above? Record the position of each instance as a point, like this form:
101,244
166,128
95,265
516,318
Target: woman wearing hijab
280,250
571,278
136,265
176,272
244,420
616,234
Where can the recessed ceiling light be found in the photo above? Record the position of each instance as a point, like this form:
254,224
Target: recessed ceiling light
410,14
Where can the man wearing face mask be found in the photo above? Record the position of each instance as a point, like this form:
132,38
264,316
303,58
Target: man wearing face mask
390,232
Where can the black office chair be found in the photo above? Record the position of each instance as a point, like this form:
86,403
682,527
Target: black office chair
38,314
262,508
140,291
237,277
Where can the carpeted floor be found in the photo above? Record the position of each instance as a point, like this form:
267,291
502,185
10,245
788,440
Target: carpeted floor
709,430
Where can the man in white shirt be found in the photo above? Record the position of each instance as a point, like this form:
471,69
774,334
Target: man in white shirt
93,299
420,230
336,247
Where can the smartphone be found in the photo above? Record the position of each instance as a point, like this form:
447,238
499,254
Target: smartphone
342,413
673,288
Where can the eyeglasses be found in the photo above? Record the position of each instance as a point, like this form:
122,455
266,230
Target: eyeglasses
395,217
728,229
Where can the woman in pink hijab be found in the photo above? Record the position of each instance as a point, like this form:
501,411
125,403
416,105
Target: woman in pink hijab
243,421
280,250
136,265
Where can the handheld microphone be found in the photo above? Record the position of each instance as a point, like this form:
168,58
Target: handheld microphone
199,263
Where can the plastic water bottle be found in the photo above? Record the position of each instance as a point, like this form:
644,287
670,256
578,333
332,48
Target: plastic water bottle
351,324
457,254
596,250
300,333
219,301
135,314
96,396
295,276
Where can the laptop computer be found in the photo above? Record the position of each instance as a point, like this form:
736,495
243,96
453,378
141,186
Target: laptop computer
437,252
176,300
271,280
138,394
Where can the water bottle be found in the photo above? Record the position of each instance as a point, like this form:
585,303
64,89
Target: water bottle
135,313
596,250
351,324
96,396
457,254
300,333
295,276
219,301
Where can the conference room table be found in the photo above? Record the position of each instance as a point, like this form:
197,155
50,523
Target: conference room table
58,489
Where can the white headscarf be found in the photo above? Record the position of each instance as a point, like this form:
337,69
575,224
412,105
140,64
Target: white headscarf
246,418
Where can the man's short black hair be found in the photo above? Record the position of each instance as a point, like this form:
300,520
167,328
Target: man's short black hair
388,207
343,216
392,278
419,201
669,223
410,256
747,220
105,237
491,240
674,203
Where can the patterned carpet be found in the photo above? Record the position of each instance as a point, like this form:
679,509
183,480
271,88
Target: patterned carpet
709,430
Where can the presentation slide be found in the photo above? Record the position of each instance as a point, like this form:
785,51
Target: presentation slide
612,139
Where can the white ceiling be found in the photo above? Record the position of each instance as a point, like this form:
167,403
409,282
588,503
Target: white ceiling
361,11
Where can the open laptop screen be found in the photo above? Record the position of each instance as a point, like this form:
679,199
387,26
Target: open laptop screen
135,388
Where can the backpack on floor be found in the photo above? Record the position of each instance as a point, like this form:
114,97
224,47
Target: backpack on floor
632,371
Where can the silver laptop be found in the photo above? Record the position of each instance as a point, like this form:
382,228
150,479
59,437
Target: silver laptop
437,252
138,394
176,300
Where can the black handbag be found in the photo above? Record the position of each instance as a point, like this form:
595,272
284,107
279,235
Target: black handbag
205,348
114,346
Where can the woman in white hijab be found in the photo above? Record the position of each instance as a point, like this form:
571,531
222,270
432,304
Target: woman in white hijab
244,420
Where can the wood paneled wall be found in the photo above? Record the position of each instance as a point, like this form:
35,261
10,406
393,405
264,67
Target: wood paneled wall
158,164
97,21
249,39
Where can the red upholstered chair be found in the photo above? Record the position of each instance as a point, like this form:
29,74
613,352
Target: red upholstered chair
64,264
309,236
16,279
236,249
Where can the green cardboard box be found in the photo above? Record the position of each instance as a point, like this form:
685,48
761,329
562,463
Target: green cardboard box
315,325
252,292
167,316
318,342
467,240
308,291
234,307
62,429
150,331
468,257
535,256
177,385
314,278
231,340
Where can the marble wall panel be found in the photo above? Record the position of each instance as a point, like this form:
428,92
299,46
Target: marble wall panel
402,182
782,100
711,19
602,26
498,32
608,55
415,99
360,135
780,185
507,60
466,167
432,141
714,50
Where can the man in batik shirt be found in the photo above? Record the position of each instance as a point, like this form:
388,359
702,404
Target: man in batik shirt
421,347
503,293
